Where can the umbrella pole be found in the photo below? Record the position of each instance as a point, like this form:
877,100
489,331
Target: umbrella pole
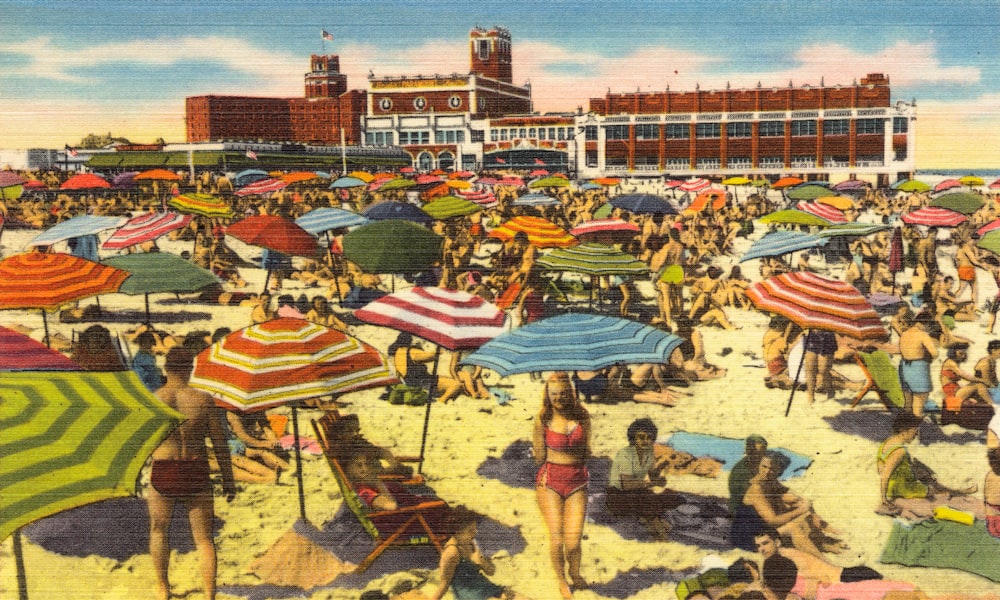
148,320
45,324
798,371
427,411
298,462
22,580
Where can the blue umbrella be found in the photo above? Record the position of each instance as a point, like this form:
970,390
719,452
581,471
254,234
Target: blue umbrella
590,186
326,219
536,199
643,203
347,182
249,176
76,227
781,242
574,342
402,211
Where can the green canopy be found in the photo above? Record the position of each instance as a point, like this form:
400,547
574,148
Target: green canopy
392,246
72,438
550,181
794,217
962,202
396,184
158,272
990,241
808,192
447,207
593,259
913,186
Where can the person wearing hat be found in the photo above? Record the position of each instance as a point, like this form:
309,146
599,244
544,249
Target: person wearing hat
739,477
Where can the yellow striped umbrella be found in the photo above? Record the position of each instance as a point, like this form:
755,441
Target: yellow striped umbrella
204,205
542,233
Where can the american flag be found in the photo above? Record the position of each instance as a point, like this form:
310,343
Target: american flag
326,35
251,154
70,151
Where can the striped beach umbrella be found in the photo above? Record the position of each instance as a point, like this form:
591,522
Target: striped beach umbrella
593,259
76,227
72,438
542,233
782,242
812,301
262,187
557,344
695,185
144,228
824,211
484,198
203,205
853,228
991,226
597,227
934,217
21,353
327,219
448,207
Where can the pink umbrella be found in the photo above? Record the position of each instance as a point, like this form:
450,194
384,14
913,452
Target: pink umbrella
511,181
934,217
674,183
538,173
146,227
21,353
483,198
695,185
422,179
823,211
947,184
993,186
262,187
991,226
598,226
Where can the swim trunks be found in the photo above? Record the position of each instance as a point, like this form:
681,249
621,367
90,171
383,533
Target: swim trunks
776,366
967,273
915,376
821,342
180,478
564,480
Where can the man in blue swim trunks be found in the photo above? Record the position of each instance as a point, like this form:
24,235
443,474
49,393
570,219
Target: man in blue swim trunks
918,349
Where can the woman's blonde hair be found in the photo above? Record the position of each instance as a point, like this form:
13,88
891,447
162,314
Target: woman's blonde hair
562,379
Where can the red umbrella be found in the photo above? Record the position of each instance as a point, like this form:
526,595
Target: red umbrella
21,353
991,226
824,211
695,184
934,217
947,184
786,182
993,186
9,178
275,233
85,181
145,227
34,184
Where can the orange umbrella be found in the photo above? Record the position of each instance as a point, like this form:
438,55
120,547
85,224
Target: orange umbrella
85,181
716,197
838,202
542,233
459,184
606,181
298,177
383,176
362,175
158,175
787,182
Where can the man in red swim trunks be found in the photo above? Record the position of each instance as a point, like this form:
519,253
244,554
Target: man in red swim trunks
180,472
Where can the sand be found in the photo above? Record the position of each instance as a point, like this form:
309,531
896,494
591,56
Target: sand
842,482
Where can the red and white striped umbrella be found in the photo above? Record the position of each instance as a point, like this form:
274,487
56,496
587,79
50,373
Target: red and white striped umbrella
450,318
599,226
674,183
284,360
824,211
484,198
262,187
933,216
145,227
815,302
695,185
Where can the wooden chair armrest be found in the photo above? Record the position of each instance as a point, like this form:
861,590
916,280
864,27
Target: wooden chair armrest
409,509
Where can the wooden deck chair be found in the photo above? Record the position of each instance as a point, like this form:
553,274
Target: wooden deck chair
414,530
881,377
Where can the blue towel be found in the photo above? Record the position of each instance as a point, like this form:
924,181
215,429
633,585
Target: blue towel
730,451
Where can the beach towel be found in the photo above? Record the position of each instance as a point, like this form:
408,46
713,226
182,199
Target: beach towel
306,444
944,544
729,451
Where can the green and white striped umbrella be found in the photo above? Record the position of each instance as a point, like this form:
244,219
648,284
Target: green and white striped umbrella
447,207
593,259
72,438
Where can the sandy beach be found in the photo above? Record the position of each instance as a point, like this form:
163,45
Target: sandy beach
465,434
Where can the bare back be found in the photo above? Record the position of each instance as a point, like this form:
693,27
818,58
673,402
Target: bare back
188,440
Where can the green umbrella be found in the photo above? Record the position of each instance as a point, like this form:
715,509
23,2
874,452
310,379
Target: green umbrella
392,246
447,207
594,260
962,202
396,184
808,192
990,241
160,272
550,181
794,217
603,211
852,229
913,186
72,438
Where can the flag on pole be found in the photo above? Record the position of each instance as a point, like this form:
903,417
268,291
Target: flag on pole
251,154
70,151
326,35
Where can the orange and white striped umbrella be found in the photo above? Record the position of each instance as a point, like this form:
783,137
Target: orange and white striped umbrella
542,233
49,280
284,360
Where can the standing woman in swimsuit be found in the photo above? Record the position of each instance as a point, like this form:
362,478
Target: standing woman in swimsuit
561,446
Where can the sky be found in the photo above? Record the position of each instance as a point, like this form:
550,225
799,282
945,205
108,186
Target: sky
97,66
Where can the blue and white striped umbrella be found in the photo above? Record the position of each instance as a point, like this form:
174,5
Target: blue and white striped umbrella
536,199
574,342
326,219
781,242
76,227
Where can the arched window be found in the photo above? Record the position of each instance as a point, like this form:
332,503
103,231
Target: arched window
446,161
425,162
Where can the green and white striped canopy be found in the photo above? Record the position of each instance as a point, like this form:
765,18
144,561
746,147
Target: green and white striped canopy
593,259
72,438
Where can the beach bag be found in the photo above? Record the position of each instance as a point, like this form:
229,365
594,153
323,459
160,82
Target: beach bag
410,395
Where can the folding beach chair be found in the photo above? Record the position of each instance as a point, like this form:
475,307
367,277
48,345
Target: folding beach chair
404,526
881,377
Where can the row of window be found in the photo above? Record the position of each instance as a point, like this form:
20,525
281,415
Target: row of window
744,129
745,162
539,133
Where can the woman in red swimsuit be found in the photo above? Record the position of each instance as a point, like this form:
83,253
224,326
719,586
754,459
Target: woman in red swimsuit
968,405
562,446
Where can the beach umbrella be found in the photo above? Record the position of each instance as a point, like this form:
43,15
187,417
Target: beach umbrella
21,353
738,180
606,181
407,170
673,184
538,173
850,185
838,202
695,185
124,181
714,198
971,180
934,217
202,205
543,182
794,217
484,198
157,175
327,219
450,319
76,227
401,211
249,176
990,241
459,184
284,361
160,272
274,233
261,187
962,202
385,176
536,199
782,242
461,175
556,344
70,439
602,227
542,233
34,184
808,192
512,181
9,178
991,226
392,246
47,281
786,182
823,211
425,179
144,228
993,186
593,259
912,186
590,186
448,207
85,181
364,176
392,184
947,184
851,229
300,177
643,204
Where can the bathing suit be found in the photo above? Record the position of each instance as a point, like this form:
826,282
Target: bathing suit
417,373
902,482
967,273
564,480
564,442
950,388
993,521
915,375
180,478
469,583
821,342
